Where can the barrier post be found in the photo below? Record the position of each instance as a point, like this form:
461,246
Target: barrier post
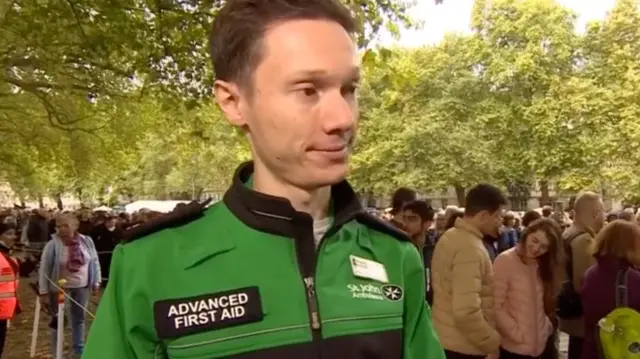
60,316
36,325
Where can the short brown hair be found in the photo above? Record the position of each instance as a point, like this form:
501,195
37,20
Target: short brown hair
618,239
529,217
585,201
240,25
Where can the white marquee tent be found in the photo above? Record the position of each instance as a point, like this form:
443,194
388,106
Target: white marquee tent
158,206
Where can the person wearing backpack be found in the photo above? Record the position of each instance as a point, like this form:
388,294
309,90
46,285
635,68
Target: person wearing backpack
578,240
617,253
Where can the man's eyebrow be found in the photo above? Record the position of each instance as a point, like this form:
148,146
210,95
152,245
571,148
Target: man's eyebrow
354,76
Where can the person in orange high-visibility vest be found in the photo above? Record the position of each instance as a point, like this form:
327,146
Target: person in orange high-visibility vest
8,280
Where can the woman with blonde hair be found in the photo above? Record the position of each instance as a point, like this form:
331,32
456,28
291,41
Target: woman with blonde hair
617,252
527,280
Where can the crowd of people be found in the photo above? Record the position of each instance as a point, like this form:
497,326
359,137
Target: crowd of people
513,280
73,246
499,282
503,283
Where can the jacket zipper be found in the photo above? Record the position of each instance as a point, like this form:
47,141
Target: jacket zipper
308,254
307,258
313,305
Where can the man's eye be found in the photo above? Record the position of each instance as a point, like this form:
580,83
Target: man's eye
309,91
351,89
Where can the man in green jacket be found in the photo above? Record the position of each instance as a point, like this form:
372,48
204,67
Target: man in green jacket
288,265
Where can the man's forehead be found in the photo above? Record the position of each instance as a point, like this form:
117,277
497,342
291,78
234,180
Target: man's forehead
309,47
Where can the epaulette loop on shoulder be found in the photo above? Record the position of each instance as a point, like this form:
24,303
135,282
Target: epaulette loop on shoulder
376,223
181,215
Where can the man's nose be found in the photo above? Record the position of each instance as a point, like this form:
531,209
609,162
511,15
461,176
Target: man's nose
339,112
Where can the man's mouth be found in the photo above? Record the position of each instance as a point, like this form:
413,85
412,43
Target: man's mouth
332,148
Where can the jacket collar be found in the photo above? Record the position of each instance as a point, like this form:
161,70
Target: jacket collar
578,227
79,236
276,215
465,225
4,248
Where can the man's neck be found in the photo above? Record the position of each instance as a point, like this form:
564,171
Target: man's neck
581,224
428,239
421,238
314,202
474,222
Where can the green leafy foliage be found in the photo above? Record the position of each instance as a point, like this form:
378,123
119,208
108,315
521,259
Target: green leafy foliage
522,99
101,94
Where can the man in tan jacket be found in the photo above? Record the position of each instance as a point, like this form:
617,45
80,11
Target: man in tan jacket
462,277
588,220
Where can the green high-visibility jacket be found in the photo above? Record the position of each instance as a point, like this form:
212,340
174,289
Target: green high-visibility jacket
244,279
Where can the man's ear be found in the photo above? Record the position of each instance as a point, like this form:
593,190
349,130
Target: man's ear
229,98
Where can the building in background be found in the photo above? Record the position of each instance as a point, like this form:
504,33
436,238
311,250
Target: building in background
518,202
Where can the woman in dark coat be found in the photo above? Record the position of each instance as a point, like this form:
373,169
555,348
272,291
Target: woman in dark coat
106,236
616,249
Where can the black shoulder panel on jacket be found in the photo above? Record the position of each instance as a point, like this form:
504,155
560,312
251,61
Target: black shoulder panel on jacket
180,216
381,226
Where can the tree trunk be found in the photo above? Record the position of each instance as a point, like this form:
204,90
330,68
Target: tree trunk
460,194
128,195
40,201
371,199
59,201
545,198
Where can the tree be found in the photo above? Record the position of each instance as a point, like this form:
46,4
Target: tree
612,62
103,48
104,98
420,112
67,84
529,61
185,153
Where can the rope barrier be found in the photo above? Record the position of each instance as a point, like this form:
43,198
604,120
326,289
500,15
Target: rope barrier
61,297
68,296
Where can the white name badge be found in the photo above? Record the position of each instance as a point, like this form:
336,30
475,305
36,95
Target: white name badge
365,268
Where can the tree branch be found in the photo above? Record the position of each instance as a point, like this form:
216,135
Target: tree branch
71,59
38,86
5,16
77,19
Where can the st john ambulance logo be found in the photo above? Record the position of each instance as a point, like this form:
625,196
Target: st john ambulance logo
392,292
